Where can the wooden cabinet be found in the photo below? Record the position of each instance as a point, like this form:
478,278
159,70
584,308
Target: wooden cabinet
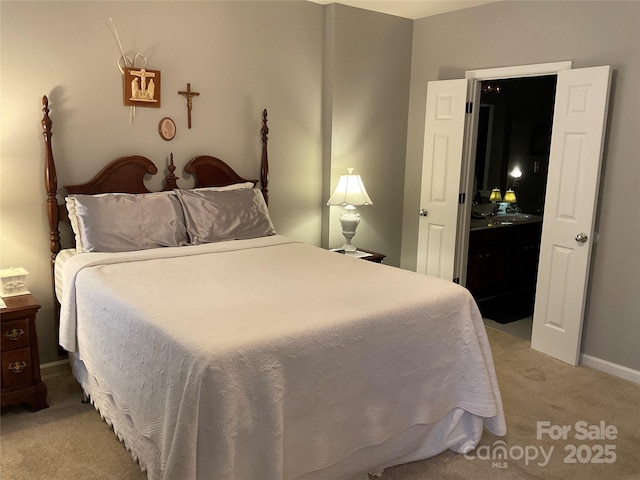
486,262
502,268
522,262
20,375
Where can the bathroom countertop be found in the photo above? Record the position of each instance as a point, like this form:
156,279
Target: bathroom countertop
504,220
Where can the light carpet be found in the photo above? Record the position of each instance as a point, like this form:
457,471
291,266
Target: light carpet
69,440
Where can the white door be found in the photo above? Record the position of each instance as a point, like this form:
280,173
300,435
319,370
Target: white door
570,203
441,167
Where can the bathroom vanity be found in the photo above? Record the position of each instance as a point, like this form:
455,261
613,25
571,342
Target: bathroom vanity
503,263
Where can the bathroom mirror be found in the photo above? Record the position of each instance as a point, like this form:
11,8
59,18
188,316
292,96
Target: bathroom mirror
514,135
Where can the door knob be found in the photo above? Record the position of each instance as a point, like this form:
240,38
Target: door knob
582,238
423,212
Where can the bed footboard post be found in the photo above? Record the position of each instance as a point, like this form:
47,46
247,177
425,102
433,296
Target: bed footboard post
51,184
264,170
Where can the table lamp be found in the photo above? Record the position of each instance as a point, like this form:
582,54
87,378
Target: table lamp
510,196
350,193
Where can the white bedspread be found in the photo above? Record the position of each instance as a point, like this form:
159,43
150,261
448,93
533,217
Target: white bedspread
269,359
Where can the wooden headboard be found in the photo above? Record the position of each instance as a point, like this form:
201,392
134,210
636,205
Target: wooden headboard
127,174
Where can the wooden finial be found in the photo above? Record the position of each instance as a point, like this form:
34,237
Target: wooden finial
46,121
264,170
171,178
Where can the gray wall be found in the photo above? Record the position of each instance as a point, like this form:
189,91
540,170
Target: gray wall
367,71
335,81
588,33
241,57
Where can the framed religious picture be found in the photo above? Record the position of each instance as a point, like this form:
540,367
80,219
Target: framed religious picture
141,87
167,129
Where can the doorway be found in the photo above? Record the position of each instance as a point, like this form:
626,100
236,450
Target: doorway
568,229
512,155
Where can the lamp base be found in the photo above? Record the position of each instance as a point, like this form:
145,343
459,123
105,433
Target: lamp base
348,248
349,221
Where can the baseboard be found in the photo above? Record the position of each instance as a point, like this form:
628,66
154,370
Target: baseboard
611,368
52,369
64,367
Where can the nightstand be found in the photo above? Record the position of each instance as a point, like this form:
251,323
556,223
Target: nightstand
368,255
20,375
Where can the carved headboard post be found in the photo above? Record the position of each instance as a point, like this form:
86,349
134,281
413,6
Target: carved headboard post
170,180
51,183
264,169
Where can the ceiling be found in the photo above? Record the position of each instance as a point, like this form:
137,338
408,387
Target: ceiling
412,9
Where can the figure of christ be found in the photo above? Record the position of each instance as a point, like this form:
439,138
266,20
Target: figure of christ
188,94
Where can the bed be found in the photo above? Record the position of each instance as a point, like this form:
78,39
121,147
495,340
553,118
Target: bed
257,357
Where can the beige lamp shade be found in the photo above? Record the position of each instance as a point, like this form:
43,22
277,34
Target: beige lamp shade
350,191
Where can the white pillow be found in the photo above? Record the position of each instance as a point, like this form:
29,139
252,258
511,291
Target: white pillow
120,222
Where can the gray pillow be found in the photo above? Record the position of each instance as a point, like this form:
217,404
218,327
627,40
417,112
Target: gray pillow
214,216
121,222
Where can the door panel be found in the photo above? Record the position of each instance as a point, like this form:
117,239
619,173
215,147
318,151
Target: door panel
570,203
441,167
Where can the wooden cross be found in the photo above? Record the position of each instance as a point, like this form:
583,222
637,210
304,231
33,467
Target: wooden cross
189,96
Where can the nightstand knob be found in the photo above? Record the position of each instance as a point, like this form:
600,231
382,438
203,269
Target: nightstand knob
14,333
17,367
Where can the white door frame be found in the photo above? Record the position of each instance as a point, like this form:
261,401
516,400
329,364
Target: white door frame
475,77
534,70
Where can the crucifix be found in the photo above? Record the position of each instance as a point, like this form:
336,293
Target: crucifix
189,96
142,74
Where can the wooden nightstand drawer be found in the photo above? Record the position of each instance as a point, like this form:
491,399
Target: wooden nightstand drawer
20,374
15,334
16,367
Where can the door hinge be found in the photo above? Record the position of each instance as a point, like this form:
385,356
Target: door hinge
469,107
462,197
456,280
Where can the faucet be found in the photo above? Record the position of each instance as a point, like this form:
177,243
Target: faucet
514,209
494,212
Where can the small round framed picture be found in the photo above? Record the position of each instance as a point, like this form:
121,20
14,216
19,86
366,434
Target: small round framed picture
167,129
